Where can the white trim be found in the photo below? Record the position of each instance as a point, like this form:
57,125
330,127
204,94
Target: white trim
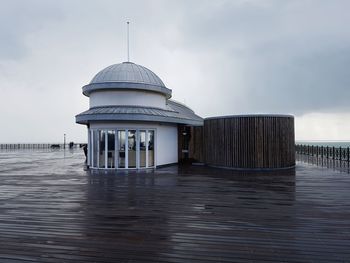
106,149
146,149
155,146
88,152
98,148
126,148
137,149
146,139
116,149
92,147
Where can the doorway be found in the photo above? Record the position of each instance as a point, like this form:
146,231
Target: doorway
122,148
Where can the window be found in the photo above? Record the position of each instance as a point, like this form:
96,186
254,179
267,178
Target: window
111,149
143,147
132,149
150,148
101,149
94,149
122,148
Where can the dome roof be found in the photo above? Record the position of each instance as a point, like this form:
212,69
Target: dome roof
127,72
127,75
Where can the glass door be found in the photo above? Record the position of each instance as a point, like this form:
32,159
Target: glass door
126,148
94,149
121,149
132,149
143,148
111,149
150,140
101,148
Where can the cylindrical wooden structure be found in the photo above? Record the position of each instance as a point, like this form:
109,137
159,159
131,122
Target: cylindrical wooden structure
250,141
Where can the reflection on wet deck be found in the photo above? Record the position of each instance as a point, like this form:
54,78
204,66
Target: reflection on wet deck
336,165
51,210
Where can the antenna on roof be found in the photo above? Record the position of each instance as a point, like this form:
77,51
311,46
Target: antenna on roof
127,31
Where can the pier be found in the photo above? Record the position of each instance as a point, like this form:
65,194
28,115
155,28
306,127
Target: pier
52,210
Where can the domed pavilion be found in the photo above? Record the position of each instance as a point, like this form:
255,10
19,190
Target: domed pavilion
132,122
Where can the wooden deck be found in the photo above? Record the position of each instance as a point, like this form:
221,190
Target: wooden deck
51,210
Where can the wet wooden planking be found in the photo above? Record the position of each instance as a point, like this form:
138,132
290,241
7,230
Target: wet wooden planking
176,214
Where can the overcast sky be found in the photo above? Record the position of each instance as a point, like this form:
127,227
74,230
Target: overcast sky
219,57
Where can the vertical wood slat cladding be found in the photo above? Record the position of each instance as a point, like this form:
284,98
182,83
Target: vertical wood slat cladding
196,143
246,142
194,137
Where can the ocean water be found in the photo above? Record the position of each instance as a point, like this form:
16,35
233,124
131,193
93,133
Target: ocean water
325,143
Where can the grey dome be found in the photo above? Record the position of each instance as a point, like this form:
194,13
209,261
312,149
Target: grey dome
127,72
126,75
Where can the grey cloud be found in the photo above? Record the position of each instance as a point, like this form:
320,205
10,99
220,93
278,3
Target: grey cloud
299,84
221,57
294,54
18,19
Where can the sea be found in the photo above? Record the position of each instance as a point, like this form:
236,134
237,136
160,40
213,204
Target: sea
325,143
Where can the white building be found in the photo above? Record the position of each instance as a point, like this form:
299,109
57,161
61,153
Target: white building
132,123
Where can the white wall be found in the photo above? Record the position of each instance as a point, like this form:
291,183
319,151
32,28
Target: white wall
167,146
166,138
127,97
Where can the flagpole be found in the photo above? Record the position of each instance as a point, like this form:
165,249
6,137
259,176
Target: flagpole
127,30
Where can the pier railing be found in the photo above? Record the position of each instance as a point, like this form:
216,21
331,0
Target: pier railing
327,152
19,146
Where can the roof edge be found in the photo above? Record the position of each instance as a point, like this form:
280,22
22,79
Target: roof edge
87,118
131,106
115,85
250,116
182,105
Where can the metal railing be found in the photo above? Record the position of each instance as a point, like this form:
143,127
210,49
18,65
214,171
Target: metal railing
327,152
20,146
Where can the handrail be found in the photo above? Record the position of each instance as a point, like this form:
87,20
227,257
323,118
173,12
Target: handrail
328,152
19,146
